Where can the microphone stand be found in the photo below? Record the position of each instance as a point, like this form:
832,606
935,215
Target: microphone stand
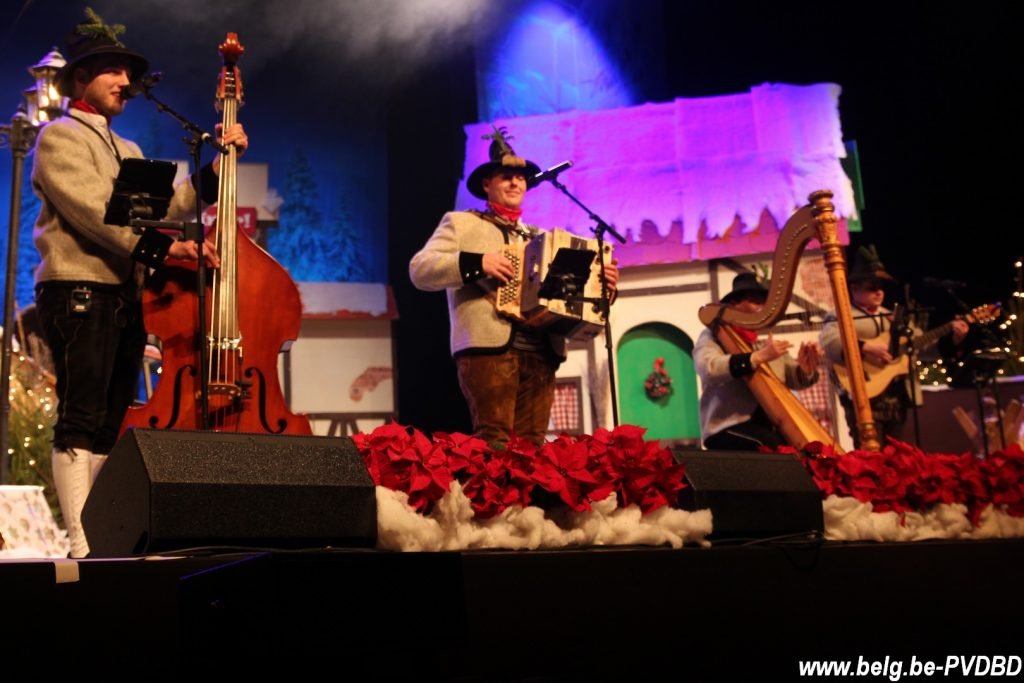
907,331
605,302
195,143
900,327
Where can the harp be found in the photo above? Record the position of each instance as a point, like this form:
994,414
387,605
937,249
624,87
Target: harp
818,221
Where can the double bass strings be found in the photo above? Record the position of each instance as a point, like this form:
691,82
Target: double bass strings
225,337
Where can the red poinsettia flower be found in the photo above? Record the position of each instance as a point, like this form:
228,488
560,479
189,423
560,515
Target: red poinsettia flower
404,459
1003,474
497,479
938,481
642,472
901,477
878,478
561,468
461,449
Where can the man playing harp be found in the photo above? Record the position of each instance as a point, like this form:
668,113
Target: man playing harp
730,416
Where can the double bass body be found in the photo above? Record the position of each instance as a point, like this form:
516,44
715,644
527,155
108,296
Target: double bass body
252,307
269,315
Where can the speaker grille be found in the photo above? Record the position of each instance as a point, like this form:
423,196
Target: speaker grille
162,490
751,495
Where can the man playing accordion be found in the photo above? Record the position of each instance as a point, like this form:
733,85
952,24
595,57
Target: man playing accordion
506,369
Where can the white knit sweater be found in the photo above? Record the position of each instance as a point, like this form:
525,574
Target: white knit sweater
475,324
73,176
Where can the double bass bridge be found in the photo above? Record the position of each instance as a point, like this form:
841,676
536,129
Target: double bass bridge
225,344
230,389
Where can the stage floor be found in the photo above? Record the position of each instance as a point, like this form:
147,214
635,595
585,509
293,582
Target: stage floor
716,613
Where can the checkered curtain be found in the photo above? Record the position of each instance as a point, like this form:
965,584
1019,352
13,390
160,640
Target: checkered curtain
819,398
565,412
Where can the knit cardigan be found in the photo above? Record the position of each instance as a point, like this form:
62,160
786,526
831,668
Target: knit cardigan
73,175
476,326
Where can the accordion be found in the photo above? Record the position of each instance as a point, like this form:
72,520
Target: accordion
557,284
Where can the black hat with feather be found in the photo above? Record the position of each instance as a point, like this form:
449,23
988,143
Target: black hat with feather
502,158
90,39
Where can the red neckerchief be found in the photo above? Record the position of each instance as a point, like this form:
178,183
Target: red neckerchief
82,105
749,336
511,215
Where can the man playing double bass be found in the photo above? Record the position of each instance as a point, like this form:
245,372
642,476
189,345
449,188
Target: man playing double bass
89,280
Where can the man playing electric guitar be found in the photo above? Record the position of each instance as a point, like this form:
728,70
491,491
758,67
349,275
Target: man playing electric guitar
889,355
889,399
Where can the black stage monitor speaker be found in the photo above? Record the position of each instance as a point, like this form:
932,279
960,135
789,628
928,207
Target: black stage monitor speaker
751,495
164,490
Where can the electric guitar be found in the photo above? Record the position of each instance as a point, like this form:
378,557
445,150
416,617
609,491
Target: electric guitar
878,376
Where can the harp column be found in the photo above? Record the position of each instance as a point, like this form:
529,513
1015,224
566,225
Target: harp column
828,234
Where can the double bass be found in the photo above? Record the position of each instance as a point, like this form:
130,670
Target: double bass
253,309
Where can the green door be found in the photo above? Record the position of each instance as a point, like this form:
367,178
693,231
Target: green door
675,415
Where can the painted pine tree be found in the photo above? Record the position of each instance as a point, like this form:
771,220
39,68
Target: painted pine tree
349,262
294,243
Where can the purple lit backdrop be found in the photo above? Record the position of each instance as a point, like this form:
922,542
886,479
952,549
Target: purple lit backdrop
691,162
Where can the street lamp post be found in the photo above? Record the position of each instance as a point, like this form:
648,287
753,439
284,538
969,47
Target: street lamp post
42,104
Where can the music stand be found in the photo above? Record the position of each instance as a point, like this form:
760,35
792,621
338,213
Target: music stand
567,275
141,197
142,191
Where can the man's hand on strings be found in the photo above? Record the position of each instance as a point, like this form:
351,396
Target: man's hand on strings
611,277
188,251
234,135
773,348
960,330
808,357
875,351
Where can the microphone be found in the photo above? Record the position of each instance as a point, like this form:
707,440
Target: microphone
551,173
140,85
942,284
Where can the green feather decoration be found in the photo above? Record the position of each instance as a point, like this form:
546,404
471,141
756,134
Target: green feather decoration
96,27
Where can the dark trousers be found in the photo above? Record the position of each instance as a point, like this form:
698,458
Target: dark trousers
746,436
889,412
97,355
508,393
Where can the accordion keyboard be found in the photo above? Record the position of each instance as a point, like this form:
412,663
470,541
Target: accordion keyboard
508,293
